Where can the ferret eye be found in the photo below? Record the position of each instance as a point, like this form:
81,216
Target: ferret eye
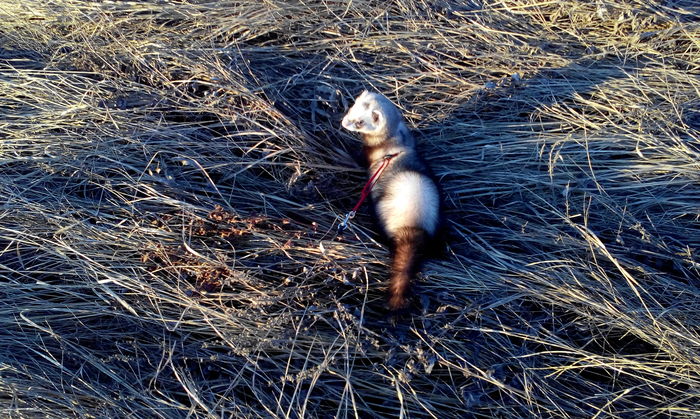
359,124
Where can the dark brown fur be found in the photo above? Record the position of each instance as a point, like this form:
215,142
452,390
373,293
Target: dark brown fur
369,150
408,242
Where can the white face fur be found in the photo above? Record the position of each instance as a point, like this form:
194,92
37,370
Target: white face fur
366,116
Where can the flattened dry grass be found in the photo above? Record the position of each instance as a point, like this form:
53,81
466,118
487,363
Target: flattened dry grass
171,175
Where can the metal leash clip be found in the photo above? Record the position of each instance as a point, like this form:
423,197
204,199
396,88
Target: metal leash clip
342,226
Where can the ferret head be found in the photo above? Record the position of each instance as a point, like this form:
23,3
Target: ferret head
373,115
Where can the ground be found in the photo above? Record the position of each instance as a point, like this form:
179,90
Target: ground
172,174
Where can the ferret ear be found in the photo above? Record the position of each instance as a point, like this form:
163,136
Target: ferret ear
376,117
364,92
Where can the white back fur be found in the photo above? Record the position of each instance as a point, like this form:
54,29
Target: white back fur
411,201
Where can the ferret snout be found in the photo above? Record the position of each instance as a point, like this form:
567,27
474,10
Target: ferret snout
352,124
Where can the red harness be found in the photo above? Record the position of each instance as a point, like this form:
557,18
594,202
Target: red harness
366,191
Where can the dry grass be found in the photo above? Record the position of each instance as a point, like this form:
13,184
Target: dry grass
571,283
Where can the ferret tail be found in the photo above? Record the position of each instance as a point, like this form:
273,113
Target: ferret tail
407,245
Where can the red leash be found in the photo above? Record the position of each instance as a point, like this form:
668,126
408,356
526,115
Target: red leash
366,191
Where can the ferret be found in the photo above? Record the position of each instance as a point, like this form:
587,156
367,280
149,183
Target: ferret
405,198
